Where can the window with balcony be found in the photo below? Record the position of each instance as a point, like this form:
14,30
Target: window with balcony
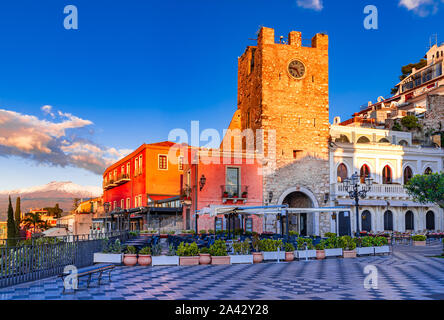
232,182
408,174
342,173
387,175
163,162
365,173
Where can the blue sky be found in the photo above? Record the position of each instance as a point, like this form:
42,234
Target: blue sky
134,70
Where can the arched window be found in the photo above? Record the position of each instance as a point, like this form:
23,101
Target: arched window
403,143
363,139
409,221
430,220
386,175
366,221
408,174
342,173
342,138
388,220
428,171
365,173
384,140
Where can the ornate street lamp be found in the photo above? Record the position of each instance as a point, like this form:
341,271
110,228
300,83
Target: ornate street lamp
356,191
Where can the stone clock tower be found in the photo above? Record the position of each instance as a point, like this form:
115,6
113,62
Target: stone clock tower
283,87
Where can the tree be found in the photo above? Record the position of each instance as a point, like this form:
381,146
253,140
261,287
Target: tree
427,188
32,219
12,228
410,122
75,203
18,213
55,212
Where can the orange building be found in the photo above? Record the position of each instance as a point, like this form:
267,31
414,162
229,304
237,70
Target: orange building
141,178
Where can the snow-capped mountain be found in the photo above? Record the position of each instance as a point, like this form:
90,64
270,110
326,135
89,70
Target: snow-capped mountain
47,195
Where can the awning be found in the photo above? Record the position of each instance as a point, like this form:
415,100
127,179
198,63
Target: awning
156,197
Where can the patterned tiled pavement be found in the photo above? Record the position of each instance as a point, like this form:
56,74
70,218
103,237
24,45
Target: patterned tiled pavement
408,273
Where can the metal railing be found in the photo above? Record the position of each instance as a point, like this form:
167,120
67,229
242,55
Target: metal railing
35,259
378,190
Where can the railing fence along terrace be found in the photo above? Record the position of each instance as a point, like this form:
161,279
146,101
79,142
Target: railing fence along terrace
36,261
376,190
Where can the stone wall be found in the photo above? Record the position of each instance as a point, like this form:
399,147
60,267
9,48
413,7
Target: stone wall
434,117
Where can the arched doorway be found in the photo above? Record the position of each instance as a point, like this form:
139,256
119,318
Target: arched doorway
365,173
409,222
342,173
366,221
408,174
388,221
386,175
430,220
299,222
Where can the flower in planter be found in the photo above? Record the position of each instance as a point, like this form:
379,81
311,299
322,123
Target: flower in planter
419,237
187,249
225,194
244,194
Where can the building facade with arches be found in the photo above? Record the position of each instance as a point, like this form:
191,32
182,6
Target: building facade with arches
387,206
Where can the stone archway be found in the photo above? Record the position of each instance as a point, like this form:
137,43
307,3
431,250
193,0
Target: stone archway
305,223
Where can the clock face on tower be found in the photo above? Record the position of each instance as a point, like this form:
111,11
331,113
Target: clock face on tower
296,69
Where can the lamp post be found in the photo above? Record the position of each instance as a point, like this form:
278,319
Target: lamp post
356,191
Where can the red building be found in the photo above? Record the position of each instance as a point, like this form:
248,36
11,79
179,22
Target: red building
141,178
221,181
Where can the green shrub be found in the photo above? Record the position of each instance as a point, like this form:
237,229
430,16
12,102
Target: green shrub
187,249
218,248
241,248
293,233
145,251
330,235
332,243
320,245
131,250
171,250
115,247
419,237
289,247
367,242
156,250
379,241
210,231
268,245
301,243
204,250
203,231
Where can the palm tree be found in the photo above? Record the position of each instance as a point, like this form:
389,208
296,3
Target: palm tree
32,219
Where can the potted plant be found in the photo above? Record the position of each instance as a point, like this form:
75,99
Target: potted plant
144,258
348,247
244,194
305,248
171,259
241,253
204,256
289,252
272,249
320,250
218,251
111,253
225,194
419,240
130,256
380,244
364,246
188,254
210,231
333,247
235,196
258,256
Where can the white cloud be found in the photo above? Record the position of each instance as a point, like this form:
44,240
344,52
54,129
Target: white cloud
421,7
48,142
310,4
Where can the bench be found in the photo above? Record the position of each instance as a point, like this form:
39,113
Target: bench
89,271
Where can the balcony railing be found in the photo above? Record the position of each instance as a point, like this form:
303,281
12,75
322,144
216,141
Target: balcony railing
381,191
123,178
234,193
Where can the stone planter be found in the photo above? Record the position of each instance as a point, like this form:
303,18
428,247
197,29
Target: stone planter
204,258
165,260
419,243
189,261
100,257
336,252
349,253
220,260
235,259
289,256
303,254
144,260
382,250
320,254
130,260
258,257
362,251
274,255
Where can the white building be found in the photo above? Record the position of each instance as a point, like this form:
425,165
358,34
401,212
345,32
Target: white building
391,160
